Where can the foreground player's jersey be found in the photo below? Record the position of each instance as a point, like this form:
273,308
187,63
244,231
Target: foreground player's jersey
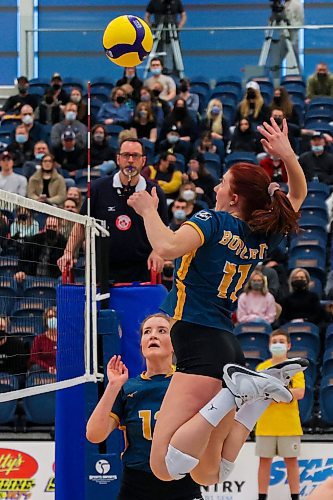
137,406
207,282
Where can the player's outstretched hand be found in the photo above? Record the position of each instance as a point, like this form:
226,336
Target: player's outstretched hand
275,142
116,371
143,202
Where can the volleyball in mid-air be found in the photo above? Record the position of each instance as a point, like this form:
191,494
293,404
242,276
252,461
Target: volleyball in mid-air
127,40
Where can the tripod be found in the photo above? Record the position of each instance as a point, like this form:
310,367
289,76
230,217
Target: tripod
166,35
279,48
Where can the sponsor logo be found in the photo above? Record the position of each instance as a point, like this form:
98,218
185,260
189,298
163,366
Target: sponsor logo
16,471
312,472
131,394
123,223
50,486
203,215
102,466
111,209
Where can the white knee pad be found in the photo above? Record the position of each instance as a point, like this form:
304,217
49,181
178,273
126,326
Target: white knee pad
226,468
179,463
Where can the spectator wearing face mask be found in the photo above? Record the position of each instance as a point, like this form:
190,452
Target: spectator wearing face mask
301,304
70,122
47,185
181,118
144,124
82,109
172,143
206,144
14,103
188,192
252,105
39,254
49,111
244,138
34,129
24,225
214,121
116,111
281,100
317,163
9,180
169,87
60,94
44,346
178,212
320,83
102,155
29,167
22,147
256,303
199,175
130,76
165,175
191,99
70,155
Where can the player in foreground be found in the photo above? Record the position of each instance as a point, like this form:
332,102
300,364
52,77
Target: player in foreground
135,403
216,252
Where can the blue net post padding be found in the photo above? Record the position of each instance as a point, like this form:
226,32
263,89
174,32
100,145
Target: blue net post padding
81,471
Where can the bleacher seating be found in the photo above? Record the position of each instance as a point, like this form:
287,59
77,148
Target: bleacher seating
8,408
40,409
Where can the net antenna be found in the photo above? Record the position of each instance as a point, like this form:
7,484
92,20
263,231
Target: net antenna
24,302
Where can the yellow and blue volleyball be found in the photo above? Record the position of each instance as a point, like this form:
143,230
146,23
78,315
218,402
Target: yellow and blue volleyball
127,40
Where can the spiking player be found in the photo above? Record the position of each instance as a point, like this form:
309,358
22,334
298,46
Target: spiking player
216,252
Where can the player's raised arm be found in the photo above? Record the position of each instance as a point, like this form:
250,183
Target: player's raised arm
276,143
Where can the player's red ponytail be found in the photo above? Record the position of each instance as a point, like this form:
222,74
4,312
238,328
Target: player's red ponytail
263,213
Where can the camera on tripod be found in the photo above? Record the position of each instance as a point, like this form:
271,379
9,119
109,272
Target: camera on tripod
277,6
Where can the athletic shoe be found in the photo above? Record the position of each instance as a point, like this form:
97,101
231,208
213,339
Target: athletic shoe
247,385
285,370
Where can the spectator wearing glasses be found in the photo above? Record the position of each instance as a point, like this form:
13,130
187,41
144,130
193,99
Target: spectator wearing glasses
130,256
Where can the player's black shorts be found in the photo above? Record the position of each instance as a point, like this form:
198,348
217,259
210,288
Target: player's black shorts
202,350
141,485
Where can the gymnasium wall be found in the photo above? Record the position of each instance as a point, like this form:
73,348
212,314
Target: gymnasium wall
205,52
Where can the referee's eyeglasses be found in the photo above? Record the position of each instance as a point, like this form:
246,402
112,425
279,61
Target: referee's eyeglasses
135,156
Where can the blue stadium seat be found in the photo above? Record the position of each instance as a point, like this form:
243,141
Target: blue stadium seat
326,399
8,294
316,286
327,365
213,164
319,112
8,265
33,323
40,292
306,405
39,82
304,335
201,81
114,130
150,149
232,88
311,372
294,86
101,89
313,257
322,101
329,337
252,327
224,97
8,383
240,156
253,358
318,189
40,409
305,240
256,343
96,97
73,82
202,93
319,125
219,148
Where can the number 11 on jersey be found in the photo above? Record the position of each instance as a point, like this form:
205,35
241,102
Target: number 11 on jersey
229,287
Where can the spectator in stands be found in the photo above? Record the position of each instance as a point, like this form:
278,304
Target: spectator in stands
161,108
144,123
24,225
279,429
35,130
293,130
317,163
4,231
178,211
13,353
44,347
29,168
129,256
272,277
71,205
47,185
301,304
206,144
244,138
167,273
281,100
256,303
22,148
165,175
130,76
180,117
14,103
252,105
275,168
214,121
69,123
82,109
9,180
172,143
169,87
75,193
49,110
159,9
102,155
130,102
319,84
192,100
188,192
60,93
39,254
116,111
200,176
70,155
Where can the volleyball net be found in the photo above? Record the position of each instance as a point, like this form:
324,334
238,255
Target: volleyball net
38,342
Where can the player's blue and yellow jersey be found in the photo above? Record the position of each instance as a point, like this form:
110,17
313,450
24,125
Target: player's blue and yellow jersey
208,281
136,408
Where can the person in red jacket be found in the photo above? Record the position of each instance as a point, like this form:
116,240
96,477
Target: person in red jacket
44,347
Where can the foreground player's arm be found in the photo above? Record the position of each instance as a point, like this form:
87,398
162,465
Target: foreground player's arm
101,423
75,240
166,243
276,143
